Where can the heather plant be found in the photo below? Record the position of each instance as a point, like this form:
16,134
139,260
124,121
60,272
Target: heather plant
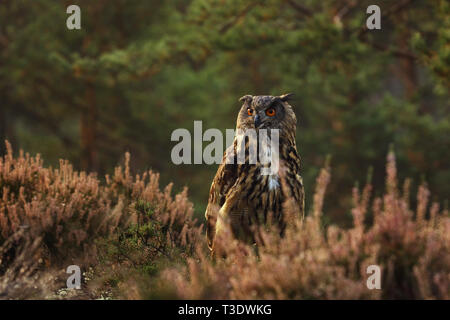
412,248
137,241
51,218
163,234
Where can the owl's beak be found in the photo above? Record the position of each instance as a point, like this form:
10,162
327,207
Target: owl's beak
257,121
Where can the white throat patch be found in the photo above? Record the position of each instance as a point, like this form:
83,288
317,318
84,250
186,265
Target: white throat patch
273,182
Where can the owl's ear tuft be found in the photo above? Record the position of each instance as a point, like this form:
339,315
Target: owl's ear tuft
286,97
247,98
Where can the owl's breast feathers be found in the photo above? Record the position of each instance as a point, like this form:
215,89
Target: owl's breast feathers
242,195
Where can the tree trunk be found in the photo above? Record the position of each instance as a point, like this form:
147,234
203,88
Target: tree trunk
2,127
407,66
88,130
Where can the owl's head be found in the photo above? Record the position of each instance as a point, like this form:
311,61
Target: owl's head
267,112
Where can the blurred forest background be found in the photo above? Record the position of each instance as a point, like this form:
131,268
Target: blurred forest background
137,70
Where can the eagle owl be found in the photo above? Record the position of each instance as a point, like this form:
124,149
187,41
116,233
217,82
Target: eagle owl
240,194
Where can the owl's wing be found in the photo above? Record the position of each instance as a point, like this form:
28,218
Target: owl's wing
298,191
299,195
224,179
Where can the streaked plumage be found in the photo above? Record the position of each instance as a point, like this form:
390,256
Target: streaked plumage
240,194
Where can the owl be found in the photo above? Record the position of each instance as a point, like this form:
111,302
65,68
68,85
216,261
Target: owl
240,193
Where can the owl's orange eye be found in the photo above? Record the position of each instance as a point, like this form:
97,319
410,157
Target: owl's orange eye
270,112
249,111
